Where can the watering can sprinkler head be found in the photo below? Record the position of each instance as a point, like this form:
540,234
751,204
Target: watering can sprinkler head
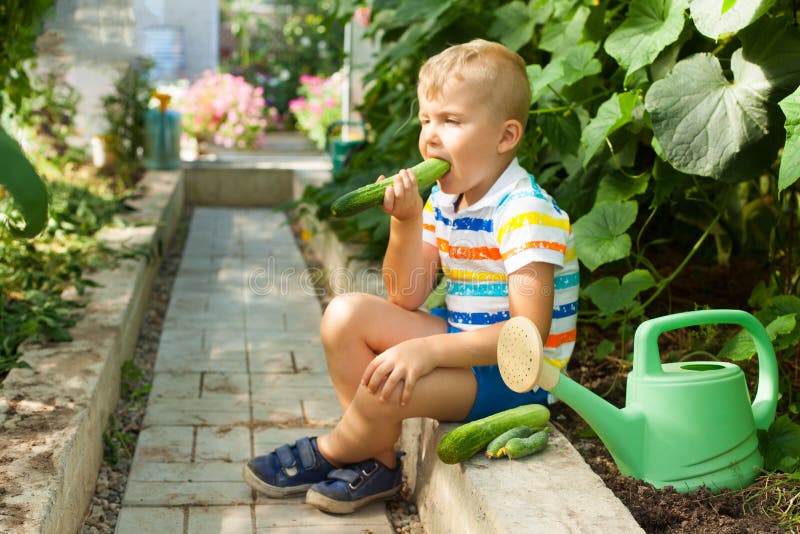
685,424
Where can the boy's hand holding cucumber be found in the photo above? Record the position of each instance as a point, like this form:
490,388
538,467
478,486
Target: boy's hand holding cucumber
372,195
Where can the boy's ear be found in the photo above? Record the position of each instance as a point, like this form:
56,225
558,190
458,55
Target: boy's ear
511,136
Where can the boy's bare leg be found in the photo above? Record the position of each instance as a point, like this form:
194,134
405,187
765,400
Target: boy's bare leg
357,326
370,428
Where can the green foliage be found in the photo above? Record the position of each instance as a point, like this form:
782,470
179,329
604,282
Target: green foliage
780,446
44,123
719,18
274,46
35,274
21,22
790,162
601,234
655,123
26,188
124,111
611,295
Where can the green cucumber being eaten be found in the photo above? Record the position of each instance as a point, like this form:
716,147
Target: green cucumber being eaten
372,194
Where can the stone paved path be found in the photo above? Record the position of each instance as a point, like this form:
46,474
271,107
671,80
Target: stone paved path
240,370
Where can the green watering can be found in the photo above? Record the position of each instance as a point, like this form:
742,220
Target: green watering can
686,424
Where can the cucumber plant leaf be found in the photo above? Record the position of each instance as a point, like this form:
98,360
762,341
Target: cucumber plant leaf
600,235
614,187
709,126
611,295
27,189
778,306
741,345
790,161
572,66
558,37
781,446
649,27
562,130
612,115
714,19
513,25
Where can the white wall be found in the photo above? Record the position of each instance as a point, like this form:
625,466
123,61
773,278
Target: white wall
200,22
90,41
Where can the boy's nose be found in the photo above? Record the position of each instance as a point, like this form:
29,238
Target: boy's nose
430,136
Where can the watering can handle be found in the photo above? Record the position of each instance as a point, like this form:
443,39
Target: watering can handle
647,360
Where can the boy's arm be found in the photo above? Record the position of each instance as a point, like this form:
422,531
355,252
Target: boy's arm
409,266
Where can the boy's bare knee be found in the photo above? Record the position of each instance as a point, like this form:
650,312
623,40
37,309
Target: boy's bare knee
341,316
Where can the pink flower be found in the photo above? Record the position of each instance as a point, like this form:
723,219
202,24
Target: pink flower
226,108
362,16
297,104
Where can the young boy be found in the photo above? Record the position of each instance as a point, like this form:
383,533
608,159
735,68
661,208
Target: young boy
506,250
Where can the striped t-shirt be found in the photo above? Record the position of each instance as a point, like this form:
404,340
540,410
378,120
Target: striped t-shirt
516,222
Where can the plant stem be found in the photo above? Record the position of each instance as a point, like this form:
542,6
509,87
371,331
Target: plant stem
568,107
668,280
787,289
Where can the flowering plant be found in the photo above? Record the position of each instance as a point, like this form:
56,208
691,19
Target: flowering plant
224,109
317,105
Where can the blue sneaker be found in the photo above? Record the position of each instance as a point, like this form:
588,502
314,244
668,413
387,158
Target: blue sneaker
288,470
355,485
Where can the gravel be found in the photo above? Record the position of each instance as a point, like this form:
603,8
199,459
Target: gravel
126,421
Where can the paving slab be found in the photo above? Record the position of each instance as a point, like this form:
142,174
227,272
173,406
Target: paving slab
240,370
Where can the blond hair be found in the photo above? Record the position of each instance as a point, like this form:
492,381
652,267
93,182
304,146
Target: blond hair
495,67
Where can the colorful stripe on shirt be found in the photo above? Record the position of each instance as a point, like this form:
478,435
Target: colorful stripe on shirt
531,218
477,318
462,289
465,223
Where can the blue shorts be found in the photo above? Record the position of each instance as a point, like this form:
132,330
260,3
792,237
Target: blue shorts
493,394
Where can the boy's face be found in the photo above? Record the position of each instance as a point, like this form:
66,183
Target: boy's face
462,128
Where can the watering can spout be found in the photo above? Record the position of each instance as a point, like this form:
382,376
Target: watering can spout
621,430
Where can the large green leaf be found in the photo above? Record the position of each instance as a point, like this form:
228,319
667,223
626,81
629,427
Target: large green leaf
616,187
771,50
612,115
25,186
649,27
514,22
790,161
559,36
706,124
563,131
513,25
713,20
572,66
610,296
600,234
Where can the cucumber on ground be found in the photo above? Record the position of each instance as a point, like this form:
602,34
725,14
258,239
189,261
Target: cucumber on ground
520,447
496,445
464,441
372,194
